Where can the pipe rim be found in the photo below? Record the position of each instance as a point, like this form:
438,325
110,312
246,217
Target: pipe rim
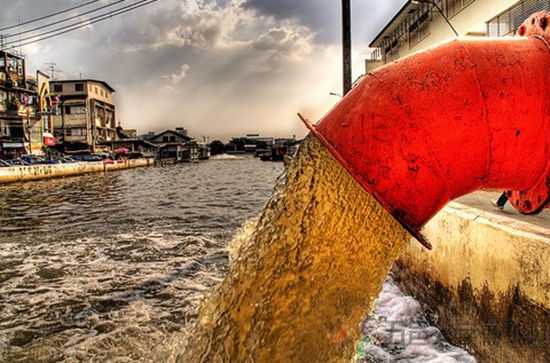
414,232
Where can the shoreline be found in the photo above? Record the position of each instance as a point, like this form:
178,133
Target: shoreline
47,171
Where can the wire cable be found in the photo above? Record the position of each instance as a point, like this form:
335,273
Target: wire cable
63,20
84,23
47,16
67,29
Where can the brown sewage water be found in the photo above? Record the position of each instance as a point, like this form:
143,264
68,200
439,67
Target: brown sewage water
300,284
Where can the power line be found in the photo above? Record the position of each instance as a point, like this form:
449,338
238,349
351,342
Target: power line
69,28
47,16
63,20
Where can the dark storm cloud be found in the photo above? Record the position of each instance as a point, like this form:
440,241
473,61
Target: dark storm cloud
321,16
324,16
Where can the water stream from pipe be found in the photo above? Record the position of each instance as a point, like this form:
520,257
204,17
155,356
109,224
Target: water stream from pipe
301,282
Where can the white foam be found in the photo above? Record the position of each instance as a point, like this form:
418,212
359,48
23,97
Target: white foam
226,157
398,331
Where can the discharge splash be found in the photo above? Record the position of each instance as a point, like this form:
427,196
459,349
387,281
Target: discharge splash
301,283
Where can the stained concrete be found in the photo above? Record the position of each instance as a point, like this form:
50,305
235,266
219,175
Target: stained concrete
486,283
35,172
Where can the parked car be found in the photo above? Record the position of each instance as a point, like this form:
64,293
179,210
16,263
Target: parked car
33,159
103,155
135,155
60,160
17,162
66,160
86,157
4,164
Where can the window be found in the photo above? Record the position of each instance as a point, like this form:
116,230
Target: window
79,87
75,110
4,131
75,132
96,91
454,6
58,88
419,30
78,110
165,139
102,94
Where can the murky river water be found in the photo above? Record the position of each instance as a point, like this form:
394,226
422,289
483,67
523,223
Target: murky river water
112,267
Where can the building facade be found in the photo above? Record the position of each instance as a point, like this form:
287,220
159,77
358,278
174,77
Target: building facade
25,109
86,114
421,24
174,145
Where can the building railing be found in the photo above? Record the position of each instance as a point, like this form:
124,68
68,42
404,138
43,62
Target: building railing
376,55
506,23
387,50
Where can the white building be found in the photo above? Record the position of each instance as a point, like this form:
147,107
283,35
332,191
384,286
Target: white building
420,24
86,113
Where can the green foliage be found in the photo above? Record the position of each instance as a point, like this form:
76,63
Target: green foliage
217,147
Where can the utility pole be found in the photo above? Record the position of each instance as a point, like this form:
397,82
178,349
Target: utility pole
29,130
346,45
51,67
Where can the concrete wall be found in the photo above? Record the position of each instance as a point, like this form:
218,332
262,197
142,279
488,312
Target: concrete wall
35,172
486,283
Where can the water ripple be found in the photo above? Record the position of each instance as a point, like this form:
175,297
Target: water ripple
111,267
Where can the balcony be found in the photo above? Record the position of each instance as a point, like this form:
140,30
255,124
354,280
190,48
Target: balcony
507,22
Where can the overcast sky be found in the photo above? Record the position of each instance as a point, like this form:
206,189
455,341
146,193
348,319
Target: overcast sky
220,68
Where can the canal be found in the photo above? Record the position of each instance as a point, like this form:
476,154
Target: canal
112,267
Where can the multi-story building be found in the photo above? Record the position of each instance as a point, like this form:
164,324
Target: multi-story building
86,115
25,123
420,24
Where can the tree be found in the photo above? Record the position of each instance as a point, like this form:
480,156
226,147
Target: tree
217,147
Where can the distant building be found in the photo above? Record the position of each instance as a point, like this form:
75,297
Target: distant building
25,108
418,26
182,130
148,136
131,133
175,145
136,147
258,139
86,114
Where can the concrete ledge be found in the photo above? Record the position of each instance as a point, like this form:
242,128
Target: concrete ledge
486,283
36,172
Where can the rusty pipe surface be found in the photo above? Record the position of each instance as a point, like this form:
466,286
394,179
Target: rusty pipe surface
465,115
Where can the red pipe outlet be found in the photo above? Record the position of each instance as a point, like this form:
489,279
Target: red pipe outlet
466,115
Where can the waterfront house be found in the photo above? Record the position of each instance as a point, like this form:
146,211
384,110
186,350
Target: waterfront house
86,116
135,146
24,108
420,24
176,145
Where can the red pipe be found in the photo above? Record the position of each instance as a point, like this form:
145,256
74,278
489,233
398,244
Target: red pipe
466,115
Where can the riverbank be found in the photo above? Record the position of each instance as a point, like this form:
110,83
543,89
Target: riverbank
45,171
485,282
